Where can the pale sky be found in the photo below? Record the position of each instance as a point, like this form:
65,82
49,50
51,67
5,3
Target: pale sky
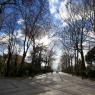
59,11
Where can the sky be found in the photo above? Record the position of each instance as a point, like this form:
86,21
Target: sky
53,7
60,14
57,13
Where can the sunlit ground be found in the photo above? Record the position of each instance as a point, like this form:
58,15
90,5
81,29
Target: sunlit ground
47,84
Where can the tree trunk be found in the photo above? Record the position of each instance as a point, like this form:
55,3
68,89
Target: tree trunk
34,53
94,13
83,61
94,18
23,58
22,64
82,57
16,60
75,60
8,64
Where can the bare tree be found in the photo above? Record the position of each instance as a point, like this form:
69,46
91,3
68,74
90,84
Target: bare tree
31,21
9,28
77,30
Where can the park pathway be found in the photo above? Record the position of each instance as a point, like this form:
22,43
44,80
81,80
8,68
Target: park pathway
49,84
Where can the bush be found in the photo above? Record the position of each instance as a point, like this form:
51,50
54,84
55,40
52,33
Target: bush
90,72
2,69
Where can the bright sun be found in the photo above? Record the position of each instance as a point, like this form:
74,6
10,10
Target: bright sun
45,41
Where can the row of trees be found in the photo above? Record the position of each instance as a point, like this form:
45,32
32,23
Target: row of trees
32,27
76,35
32,20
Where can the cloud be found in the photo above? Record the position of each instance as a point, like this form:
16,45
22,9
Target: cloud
63,10
53,6
20,21
59,11
4,39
